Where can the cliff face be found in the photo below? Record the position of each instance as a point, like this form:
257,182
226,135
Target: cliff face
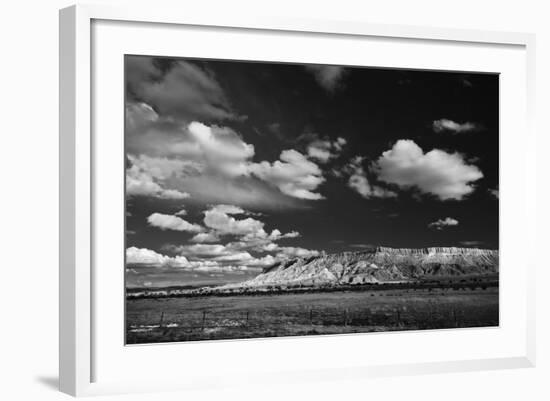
378,265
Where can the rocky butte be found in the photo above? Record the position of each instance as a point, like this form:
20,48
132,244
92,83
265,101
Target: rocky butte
376,265
380,265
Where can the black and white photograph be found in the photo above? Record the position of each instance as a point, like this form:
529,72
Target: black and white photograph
278,199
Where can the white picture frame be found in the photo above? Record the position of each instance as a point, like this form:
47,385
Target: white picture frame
78,315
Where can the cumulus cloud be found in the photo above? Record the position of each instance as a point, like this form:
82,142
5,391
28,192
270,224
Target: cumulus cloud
269,247
445,124
143,257
139,115
149,133
208,162
227,209
213,266
237,253
224,224
171,222
442,223
147,257
328,76
146,175
212,163
277,235
264,261
359,182
445,175
227,256
189,149
221,148
160,168
293,174
296,252
221,221
494,192
260,239
248,191
235,257
339,143
140,183
323,150
251,239
320,151
184,90
182,212
199,249
210,236
191,141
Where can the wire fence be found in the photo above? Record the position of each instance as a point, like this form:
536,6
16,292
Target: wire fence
252,320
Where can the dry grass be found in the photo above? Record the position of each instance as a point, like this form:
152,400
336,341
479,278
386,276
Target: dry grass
208,318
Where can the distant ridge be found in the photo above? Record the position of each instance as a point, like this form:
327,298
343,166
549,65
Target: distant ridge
377,265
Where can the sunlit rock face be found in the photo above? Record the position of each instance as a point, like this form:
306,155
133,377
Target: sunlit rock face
378,265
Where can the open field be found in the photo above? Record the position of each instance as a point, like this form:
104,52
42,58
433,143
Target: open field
154,320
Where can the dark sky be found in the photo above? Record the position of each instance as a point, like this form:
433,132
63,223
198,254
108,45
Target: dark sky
222,153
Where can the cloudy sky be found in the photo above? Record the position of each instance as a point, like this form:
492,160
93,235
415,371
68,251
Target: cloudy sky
231,166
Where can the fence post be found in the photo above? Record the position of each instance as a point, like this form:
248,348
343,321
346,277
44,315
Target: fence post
310,315
247,313
346,317
398,317
161,319
203,319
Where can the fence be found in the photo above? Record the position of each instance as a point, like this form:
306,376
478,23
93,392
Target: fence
205,321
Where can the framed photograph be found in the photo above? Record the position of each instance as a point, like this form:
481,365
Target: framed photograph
244,198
